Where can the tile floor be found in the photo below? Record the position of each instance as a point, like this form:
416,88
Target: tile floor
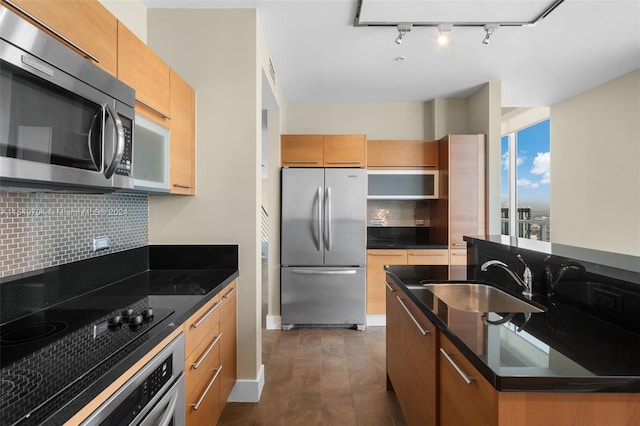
321,376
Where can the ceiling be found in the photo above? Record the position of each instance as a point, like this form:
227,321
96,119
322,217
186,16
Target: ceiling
320,56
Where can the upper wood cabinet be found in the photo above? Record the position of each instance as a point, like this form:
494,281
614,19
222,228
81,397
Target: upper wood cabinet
323,150
399,154
182,161
85,26
142,69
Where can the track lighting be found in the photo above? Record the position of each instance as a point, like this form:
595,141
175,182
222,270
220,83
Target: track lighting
489,30
403,29
443,34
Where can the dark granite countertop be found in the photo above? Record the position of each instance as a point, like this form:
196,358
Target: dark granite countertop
561,350
158,283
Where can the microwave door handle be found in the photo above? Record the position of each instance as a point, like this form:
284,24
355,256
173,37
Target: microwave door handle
89,144
119,149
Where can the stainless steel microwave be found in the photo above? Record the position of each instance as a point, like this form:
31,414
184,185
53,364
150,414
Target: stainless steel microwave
402,184
64,122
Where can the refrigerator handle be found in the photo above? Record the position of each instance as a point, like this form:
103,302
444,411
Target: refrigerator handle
319,217
328,218
321,272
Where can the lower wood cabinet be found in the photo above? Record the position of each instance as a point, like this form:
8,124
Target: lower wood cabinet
210,357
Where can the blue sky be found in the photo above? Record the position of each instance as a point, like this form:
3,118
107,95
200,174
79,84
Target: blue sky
533,164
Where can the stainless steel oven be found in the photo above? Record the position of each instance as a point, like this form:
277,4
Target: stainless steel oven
154,396
63,121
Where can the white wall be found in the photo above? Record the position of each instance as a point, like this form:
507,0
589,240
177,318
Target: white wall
595,168
227,77
132,14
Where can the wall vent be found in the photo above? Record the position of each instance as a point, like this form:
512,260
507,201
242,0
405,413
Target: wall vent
272,72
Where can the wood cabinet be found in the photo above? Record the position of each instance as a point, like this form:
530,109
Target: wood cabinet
378,258
85,26
182,174
402,154
461,209
210,357
323,150
142,69
411,373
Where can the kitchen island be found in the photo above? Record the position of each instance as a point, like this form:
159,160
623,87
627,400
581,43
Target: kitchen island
566,365
85,353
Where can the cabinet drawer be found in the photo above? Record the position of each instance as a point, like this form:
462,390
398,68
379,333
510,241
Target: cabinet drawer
202,323
428,257
458,257
203,403
204,359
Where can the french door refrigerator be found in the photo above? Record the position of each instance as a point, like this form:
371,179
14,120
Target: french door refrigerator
323,247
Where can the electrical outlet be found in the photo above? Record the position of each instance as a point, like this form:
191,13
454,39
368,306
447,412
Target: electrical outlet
100,243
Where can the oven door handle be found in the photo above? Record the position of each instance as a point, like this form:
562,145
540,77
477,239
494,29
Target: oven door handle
169,411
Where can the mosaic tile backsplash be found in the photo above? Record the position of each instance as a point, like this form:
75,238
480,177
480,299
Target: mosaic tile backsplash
398,213
39,230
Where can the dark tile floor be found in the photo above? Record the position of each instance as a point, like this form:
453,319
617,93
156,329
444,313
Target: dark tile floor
321,376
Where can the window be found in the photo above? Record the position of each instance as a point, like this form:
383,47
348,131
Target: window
525,181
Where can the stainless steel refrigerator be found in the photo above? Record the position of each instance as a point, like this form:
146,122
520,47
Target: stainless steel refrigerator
323,247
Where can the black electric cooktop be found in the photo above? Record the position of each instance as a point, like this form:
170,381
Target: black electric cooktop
50,356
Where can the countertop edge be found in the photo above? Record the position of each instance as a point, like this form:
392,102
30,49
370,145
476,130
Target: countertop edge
601,384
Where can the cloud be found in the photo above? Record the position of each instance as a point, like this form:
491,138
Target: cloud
505,160
542,166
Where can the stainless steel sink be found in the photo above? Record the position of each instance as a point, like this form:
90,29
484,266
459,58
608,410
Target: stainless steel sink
474,297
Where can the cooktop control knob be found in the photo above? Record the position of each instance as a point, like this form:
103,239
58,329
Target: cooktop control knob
116,320
135,320
127,313
147,314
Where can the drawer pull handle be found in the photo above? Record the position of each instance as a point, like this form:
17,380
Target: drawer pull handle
468,380
196,364
415,321
160,113
433,255
205,316
56,33
402,165
391,289
228,295
182,185
343,162
195,406
382,254
301,162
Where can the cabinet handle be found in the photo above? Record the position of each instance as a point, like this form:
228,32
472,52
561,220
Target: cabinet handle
54,32
182,185
205,316
343,162
196,364
382,254
195,406
161,114
429,255
468,380
459,244
415,321
402,165
301,162
226,296
391,289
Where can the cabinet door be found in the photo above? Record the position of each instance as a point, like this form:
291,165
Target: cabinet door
466,188
142,69
228,315
203,403
394,154
418,365
428,257
393,330
345,150
85,26
182,164
302,150
466,398
376,288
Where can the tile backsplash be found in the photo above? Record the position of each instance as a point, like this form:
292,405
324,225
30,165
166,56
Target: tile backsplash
398,213
39,230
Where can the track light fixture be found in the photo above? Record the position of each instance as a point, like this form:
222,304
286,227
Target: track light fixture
444,31
489,30
403,29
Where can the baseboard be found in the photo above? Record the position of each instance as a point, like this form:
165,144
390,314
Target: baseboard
248,390
274,322
376,320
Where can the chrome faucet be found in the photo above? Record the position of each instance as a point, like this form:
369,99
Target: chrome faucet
527,277
551,283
